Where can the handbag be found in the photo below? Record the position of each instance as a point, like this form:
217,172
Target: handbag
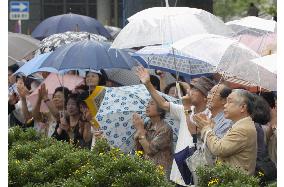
197,159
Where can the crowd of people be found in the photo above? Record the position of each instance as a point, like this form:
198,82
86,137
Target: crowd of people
239,126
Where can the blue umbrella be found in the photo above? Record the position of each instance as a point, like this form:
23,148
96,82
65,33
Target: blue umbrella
89,54
165,58
33,65
69,22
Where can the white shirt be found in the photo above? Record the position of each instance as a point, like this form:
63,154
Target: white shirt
184,139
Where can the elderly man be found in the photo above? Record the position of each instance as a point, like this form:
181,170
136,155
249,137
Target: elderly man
239,145
216,99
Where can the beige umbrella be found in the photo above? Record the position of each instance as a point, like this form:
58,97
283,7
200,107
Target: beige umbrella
20,46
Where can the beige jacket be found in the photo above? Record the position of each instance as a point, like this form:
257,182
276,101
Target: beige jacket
238,147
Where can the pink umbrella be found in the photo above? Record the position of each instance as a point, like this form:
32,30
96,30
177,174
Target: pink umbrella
52,82
260,44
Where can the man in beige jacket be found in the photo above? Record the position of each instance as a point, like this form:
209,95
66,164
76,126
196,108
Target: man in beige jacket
239,145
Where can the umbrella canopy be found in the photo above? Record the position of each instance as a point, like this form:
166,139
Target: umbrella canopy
263,45
19,46
116,110
113,30
163,25
254,24
89,54
165,58
268,62
56,40
52,82
227,55
33,65
69,22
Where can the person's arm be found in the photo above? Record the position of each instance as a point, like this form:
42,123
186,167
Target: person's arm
234,141
163,83
23,93
87,134
144,76
160,142
53,110
36,110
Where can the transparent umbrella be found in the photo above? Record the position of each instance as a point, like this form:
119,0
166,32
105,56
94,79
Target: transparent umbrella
164,25
226,55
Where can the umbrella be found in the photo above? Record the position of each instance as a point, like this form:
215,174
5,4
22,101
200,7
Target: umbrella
116,110
19,46
56,40
257,33
89,54
69,22
94,101
52,82
165,58
163,25
33,65
113,30
266,71
268,62
127,77
263,45
252,24
226,55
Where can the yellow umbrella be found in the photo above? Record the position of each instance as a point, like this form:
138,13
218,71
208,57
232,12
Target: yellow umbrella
93,102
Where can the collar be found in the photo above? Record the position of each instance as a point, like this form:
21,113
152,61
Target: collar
242,120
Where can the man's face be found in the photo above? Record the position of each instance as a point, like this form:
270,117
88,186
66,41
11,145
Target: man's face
196,96
214,100
234,107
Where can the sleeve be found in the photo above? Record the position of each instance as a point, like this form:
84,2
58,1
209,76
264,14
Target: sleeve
176,110
234,141
161,141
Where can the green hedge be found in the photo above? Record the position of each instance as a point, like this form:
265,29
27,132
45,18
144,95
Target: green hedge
223,175
39,161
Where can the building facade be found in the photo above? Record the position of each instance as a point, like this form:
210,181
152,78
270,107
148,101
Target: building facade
108,12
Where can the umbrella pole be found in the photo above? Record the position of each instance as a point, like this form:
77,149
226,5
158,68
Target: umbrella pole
177,75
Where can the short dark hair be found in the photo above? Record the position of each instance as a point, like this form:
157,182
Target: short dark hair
269,97
225,92
74,97
169,86
13,68
83,96
65,92
261,111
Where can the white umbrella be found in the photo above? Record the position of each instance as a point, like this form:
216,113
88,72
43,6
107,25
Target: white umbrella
268,62
256,24
162,25
227,55
257,33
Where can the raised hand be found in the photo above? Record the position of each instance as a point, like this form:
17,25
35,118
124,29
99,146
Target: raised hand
143,74
43,92
137,122
22,90
202,120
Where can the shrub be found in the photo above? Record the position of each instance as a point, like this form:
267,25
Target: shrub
38,161
223,175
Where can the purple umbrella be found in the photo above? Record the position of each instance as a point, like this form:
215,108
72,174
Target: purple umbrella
69,22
